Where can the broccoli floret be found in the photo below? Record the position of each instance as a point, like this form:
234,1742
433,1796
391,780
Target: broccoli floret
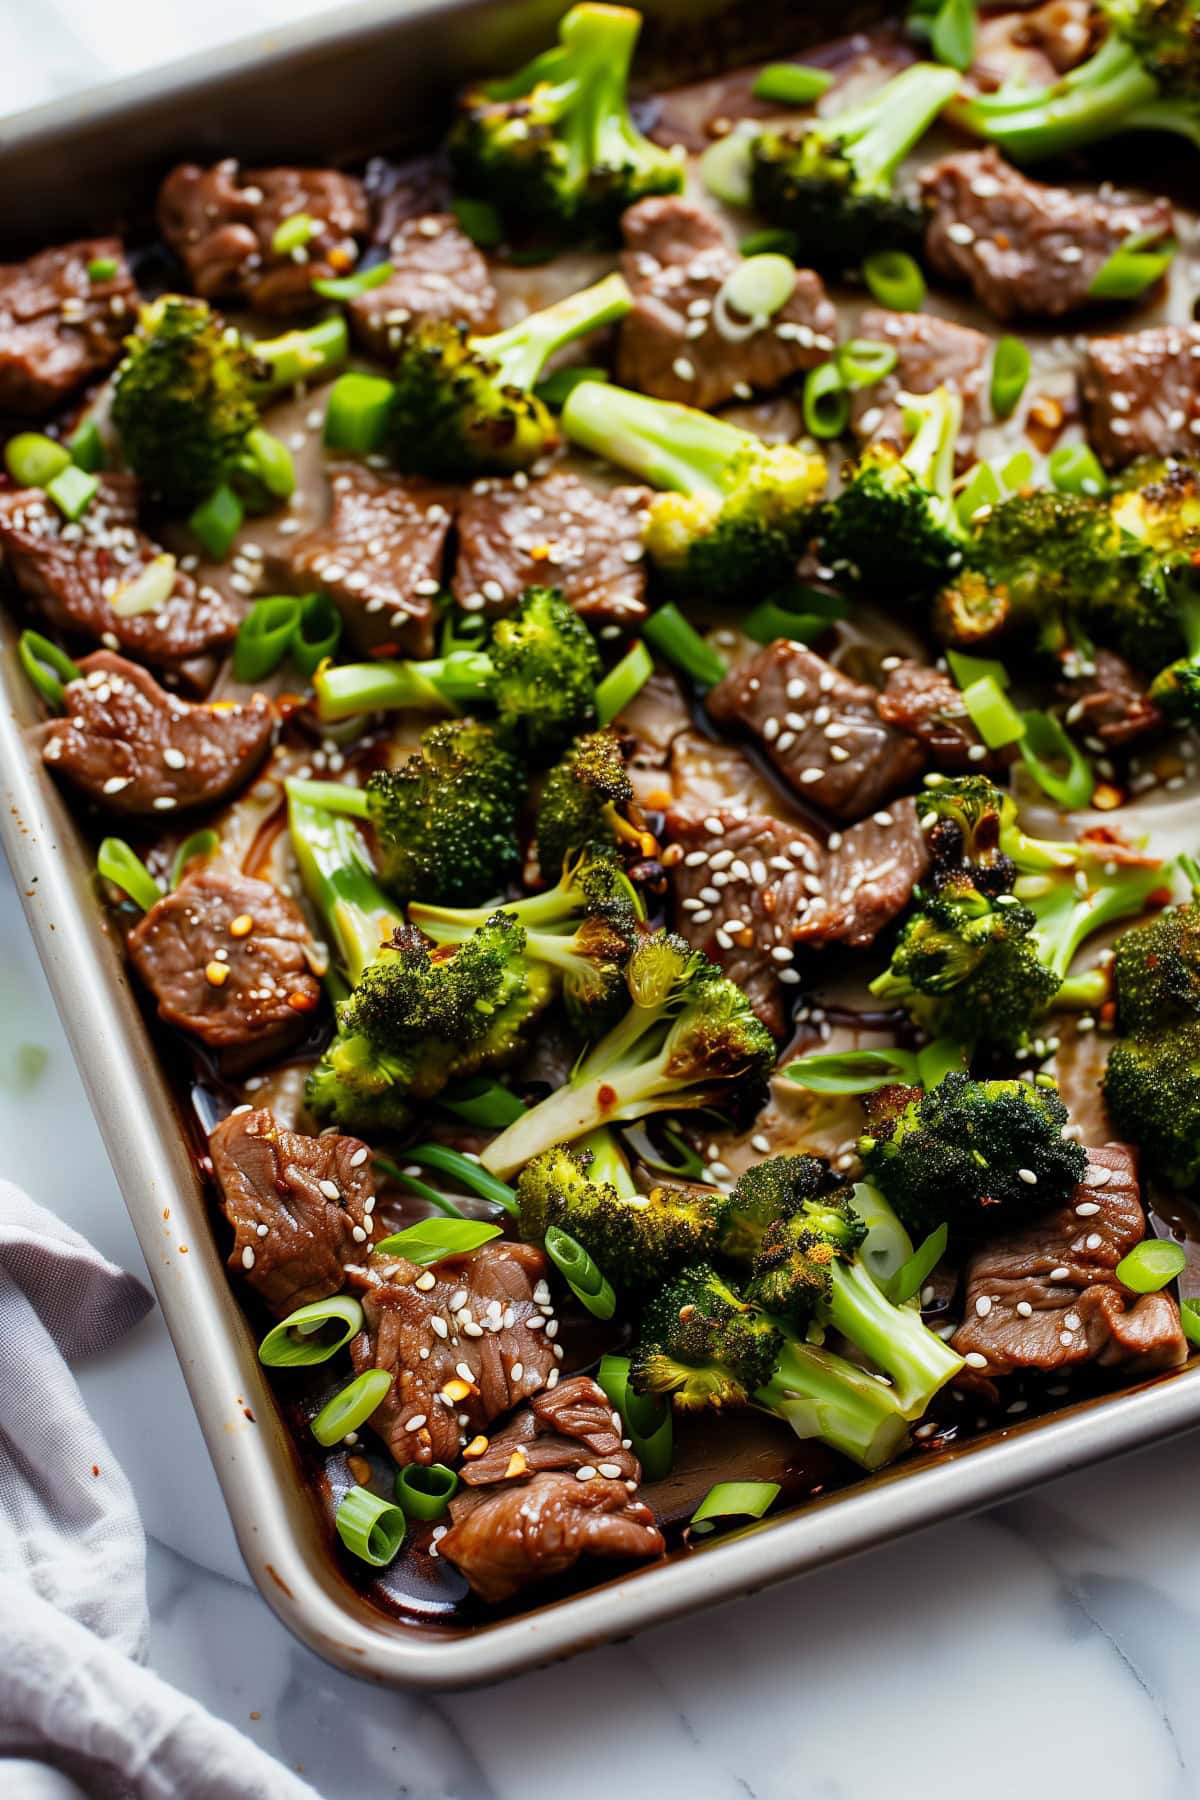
831,181
445,821
554,143
1144,77
975,1155
971,827
894,525
1156,967
765,1192
707,1347
583,931
737,512
588,800
464,406
1152,1093
689,1038
545,670
637,1239
1163,513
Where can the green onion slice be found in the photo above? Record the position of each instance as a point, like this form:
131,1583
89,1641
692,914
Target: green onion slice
352,287
217,521
425,1490
429,1240
33,459
826,403
952,34
47,668
676,638
582,1275
768,621
472,1175
1075,469
981,489
1010,374
126,870
480,220
895,280
992,713
87,447
1056,763
791,84
887,1246
318,632
302,1338
1189,1318
864,361
268,462
759,285
293,233
623,683
481,1101
773,239
1151,1265
1134,266
966,669
725,168
682,1161
734,1500
72,491
911,1277
102,268
560,384
199,843
352,1407
853,1071
647,1418
371,1529
265,637
357,412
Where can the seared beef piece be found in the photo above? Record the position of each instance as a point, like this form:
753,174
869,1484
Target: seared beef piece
300,1207
654,718
133,748
228,959
438,274
536,1522
1046,1296
220,222
556,532
931,353
1112,704
1064,29
1025,248
71,573
821,730
58,327
925,704
461,1343
379,557
1141,393
676,259
869,875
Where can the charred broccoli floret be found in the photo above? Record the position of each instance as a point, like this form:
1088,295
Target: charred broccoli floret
637,1239
831,180
1163,513
894,526
1156,966
588,800
445,821
464,406
1152,1093
704,1345
737,512
971,1154
689,1038
971,827
554,144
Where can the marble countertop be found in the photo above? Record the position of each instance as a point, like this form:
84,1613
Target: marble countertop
1043,1648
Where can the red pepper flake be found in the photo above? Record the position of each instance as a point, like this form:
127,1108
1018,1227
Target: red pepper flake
606,1096
95,1468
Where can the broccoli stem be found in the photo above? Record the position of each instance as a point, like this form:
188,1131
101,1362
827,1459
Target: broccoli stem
308,354
668,445
821,1395
893,1337
934,420
600,41
881,132
608,1162
521,351
1067,916
442,684
339,880
1112,91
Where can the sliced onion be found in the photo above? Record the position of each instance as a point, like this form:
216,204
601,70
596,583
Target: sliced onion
149,591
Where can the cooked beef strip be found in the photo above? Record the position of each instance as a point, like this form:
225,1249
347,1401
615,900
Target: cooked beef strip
556,532
925,704
1046,1296
931,353
536,1522
72,572
216,921
676,259
869,876
220,222
58,327
821,730
1024,247
437,274
300,1207
133,748
1032,47
1141,393
654,718
1112,704
378,557
461,1343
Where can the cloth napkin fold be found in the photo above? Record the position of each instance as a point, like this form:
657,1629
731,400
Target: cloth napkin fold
78,1714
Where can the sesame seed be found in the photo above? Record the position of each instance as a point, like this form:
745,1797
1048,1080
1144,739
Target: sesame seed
983,1306
1060,1274
440,1326
330,1189
586,1473
1025,1309
808,776
1072,1321
115,783
684,368
416,1422
359,1158
1065,1339
974,1360
425,1282
516,1372
247,1258
1096,1175
611,1471
1087,1209
1093,1240
164,803
1027,1176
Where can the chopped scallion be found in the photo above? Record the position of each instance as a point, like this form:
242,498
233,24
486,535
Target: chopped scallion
759,285
1189,1318
102,268
864,361
302,1339
481,1101
121,865
33,459
425,1490
352,287
676,638
623,683
357,412
1075,469
734,1500
217,521
952,33
475,1178
87,447
1152,1265
725,168
911,1277
198,843
47,668
293,233
772,239
371,1529
1137,264
895,280
318,632
647,1418
853,1071
268,461
826,403
1010,374
992,713
352,1407
790,84
429,1240
72,491
582,1274
265,637
1056,763
967,669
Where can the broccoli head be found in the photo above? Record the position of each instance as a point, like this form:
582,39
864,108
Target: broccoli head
587,800
830,180
767,1191
975,1155
1156,967
1162,512
736,513
1152,1093
545,667
704,1345
554,144
445,821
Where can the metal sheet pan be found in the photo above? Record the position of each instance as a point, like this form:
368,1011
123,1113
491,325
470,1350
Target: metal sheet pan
370,75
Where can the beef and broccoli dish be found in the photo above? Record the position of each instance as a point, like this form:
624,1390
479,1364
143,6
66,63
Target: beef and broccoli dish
634,687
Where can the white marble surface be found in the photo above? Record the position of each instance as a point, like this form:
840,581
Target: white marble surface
1045,1649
